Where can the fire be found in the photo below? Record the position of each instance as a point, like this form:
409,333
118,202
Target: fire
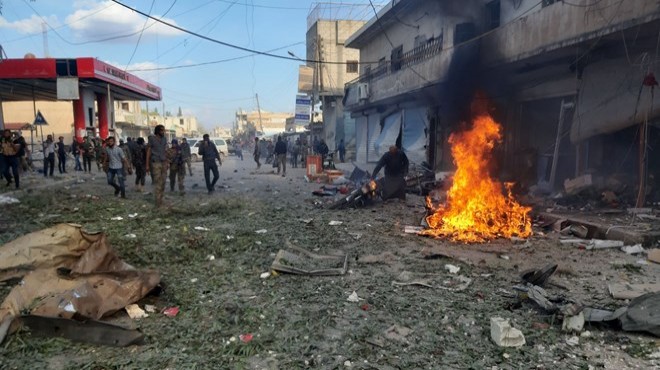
477,208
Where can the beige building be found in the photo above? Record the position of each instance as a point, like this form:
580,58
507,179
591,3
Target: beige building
326,40
59,116
266,123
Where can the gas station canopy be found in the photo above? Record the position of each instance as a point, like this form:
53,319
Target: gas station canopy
37,79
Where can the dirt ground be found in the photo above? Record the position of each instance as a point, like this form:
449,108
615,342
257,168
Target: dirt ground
302,322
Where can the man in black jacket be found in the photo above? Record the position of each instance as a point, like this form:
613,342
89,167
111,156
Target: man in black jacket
396,164
280,152
209,153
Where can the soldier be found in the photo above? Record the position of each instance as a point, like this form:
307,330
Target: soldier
177,166
139,157
157,162
257,152
88,154
186,155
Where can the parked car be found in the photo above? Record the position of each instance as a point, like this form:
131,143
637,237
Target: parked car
220,143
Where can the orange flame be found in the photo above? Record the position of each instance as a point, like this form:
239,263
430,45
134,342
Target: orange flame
476,209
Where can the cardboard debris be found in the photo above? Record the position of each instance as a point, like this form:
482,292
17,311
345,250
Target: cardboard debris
630,291
301,262
135,312
654,255
68,273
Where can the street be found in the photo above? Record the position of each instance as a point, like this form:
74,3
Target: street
219,277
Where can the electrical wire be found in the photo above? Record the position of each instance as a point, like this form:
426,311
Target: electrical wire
144,27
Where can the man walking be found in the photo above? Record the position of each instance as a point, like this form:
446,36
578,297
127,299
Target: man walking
9,152
209,153
280,152
177,166
257,152
139,157
87,154
61,155
157,162
49,156
116,162
186,154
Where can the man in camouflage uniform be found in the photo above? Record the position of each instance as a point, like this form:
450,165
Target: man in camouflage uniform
186,154
177,166
157,162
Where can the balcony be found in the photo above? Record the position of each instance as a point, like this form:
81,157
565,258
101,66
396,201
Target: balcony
561,24
426,65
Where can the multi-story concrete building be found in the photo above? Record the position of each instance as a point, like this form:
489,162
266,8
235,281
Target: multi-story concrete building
576,76
335,66
266,123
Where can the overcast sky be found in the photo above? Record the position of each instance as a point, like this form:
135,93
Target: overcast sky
110,32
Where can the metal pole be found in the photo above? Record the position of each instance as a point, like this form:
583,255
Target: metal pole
261,125
555,156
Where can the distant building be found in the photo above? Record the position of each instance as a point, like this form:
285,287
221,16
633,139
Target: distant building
264,124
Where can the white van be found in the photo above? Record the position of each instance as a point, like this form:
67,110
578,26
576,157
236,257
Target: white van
195,142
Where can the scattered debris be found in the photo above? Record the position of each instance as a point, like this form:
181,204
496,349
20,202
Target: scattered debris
8,200
230,237
573,341
452,269
246,338
573,323
117,218
354,297
335,223
261,231
150,308
264,275
630,291
130,236
654,255
398,333
202,228
412,229
538,277
307,220
133,215
210,257
504,335
576,185
135,312
171,311
302,262
633,249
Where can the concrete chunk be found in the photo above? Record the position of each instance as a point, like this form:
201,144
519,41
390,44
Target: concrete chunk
576,185
504,335
573,323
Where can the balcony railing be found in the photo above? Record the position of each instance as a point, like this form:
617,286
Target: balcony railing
409,58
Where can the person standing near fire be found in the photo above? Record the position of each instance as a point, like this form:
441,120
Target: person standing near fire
396,164
157,162
209,153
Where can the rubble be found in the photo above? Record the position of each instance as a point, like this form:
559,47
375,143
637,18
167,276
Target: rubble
578,184
573,323
504,335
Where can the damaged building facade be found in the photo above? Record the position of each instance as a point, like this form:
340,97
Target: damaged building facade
574,76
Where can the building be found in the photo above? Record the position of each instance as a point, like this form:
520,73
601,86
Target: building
335,66
260,123
574,76
412,78
130,121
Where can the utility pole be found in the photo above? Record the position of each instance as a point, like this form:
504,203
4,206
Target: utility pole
44,35
261,125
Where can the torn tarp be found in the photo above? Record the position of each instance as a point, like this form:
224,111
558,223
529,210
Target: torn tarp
68,274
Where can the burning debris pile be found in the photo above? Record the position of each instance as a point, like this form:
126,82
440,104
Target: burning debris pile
476,209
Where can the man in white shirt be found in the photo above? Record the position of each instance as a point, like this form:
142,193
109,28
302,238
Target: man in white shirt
49,156
116,162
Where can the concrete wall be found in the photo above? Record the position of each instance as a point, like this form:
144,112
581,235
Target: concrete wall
560,25
512,9
59,116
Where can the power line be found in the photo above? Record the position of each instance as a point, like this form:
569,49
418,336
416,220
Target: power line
252,5
144,27
211,62
233,46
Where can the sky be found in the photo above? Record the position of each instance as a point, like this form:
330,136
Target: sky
128,40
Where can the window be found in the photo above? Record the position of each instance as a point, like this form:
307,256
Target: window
124,106
545,3
397,56
181,121
352,66
464,32
492,14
